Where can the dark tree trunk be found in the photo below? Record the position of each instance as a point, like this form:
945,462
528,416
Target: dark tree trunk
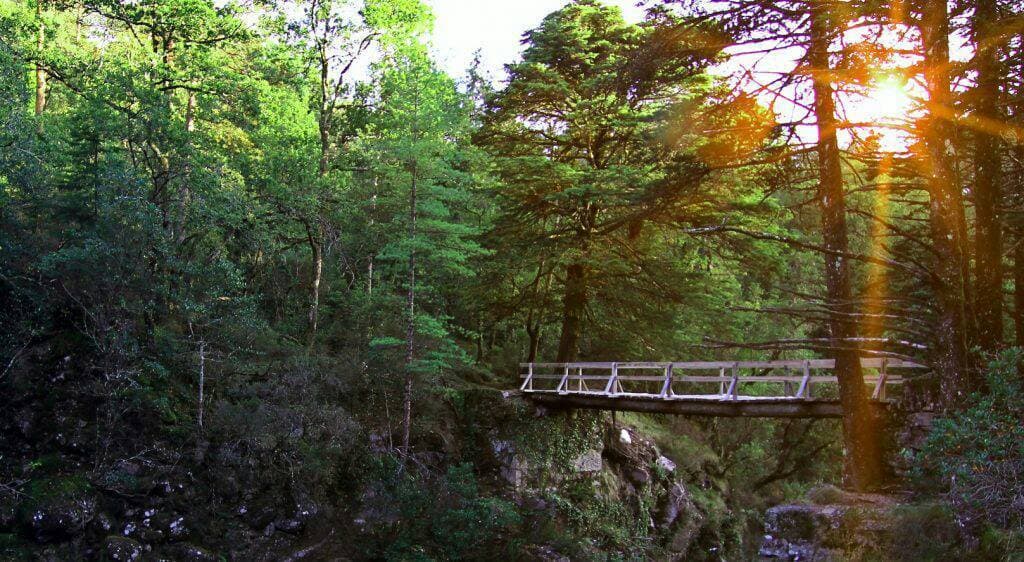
945,209
574,306
410,326
988,247
40,71
864,466
316,249
533,331
1018,289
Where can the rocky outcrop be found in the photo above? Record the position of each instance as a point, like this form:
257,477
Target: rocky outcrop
57,510
122,549
838,525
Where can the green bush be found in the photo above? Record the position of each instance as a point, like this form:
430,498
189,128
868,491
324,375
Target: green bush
976,456
444,517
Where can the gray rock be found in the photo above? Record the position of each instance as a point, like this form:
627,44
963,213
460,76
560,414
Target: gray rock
8,511
257,516
122,549
802,551
185,552
541,553
639,476
665,464
676,502
102,523
60,511
512,467
802,522
679,519
291,525
588,461
177,529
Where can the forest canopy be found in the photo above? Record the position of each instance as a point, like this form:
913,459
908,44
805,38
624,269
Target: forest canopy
213,212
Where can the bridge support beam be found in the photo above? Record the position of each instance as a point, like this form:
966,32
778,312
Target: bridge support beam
759,408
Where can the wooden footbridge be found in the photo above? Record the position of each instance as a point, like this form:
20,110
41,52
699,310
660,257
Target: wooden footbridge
785,389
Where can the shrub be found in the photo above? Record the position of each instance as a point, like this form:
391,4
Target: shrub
977,454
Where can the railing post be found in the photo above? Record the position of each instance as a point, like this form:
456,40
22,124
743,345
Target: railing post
528,383
613,379
805,385
721,385
879,393
563,384
734,385
666,389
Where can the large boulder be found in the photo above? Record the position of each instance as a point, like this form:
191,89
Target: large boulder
57,509
8,511
588,461
803,522
679,520
122,549
185,552
839,524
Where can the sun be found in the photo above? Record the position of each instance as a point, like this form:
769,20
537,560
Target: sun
888,98
884,108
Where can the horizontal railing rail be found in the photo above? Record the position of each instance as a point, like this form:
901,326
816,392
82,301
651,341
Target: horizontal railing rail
797,381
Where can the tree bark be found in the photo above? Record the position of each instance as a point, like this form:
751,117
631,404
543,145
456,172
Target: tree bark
1018,289
533,332
574,305
410,327
202,384
988,250
314,235
40,71
184,185
945,208
864,465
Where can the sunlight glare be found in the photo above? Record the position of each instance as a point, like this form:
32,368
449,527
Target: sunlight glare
889,98
888,105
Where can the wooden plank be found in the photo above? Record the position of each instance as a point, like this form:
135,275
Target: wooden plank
562,384
879,392
610,389
866,362
868,379
666,389
734,386
528,383
777,408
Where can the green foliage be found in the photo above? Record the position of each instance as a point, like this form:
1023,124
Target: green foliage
977,454
445,517
162,214
556,441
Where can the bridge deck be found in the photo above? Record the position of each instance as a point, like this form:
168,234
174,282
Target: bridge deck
706,388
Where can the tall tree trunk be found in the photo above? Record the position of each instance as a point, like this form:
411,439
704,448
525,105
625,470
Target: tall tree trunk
1018,288
184,185
864,465
314,233
987,177
945,208
373,214
40,71
202,384
410,326
535,316
533,332
574,305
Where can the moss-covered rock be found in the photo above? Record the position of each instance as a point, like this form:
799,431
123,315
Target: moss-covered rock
121,549
57,508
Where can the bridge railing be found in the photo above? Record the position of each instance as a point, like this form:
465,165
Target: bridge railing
721,380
